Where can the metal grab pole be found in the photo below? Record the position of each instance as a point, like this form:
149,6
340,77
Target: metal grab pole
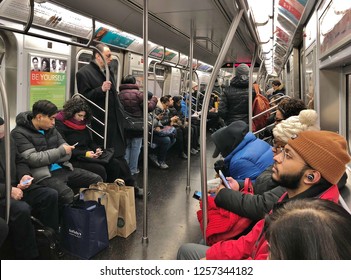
250,87
205,105
145,237
7,148
190,95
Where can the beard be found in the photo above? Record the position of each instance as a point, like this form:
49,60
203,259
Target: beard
290,181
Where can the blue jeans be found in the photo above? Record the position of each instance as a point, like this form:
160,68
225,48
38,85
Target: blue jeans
163,145
132,153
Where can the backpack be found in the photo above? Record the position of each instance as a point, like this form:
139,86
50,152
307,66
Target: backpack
260,104
47,241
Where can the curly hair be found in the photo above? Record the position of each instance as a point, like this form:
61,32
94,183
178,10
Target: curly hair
75,105
291,107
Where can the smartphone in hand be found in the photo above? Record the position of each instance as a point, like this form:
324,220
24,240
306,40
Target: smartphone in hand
27,181
197,195
224,180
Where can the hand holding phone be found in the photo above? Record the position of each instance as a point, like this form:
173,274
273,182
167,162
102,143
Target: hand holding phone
197,195
25,182
224,180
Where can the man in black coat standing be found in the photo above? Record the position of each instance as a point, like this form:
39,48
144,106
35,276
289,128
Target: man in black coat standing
92,83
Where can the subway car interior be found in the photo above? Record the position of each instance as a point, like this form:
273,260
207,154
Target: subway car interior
166,45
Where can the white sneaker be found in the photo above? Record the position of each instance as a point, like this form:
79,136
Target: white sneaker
193,151
154,159
163,165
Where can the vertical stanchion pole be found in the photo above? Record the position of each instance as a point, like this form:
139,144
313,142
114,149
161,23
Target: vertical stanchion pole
204,112
145,237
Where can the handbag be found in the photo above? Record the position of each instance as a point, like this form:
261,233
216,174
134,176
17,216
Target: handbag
47,241
84,228
167,130
126,215
223,224
132,123
104,158
111,203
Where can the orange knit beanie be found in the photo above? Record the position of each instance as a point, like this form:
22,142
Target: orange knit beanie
324,151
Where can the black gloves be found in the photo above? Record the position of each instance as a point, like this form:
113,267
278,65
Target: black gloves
220,165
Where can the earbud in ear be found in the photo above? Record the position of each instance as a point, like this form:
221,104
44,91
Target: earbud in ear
310,177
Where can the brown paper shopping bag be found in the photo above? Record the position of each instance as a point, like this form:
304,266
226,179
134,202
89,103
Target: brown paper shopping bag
126,214
111,203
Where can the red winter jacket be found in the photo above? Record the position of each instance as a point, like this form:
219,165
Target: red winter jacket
254,245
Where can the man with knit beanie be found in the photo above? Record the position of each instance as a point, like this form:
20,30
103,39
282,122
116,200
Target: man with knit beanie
309,166
267,191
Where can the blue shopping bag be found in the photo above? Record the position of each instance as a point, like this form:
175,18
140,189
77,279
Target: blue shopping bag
84,229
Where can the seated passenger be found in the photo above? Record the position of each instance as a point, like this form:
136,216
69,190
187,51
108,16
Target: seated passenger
287,107
4,230
47,153
245,156
27,199
183,129
304,169
164,141
71,123
309,229
267,191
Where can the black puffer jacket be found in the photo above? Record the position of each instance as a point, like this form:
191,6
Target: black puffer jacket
234,102
39,151
247,205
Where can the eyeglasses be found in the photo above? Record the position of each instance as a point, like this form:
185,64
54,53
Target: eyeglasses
287,155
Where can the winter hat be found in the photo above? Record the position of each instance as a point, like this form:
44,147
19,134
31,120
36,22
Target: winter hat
228,138
306,120
1,121
324,151
242,70
149,95
176,98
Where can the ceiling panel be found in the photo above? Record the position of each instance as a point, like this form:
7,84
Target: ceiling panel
170,21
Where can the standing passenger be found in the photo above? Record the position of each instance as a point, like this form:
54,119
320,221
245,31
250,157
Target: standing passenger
132,101
91,82
234,102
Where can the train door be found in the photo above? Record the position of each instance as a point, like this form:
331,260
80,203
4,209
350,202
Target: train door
309,79
8,72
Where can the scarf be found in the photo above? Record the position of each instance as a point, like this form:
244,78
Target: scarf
71,123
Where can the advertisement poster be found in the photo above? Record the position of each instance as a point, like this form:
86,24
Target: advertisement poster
119,39
47,80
